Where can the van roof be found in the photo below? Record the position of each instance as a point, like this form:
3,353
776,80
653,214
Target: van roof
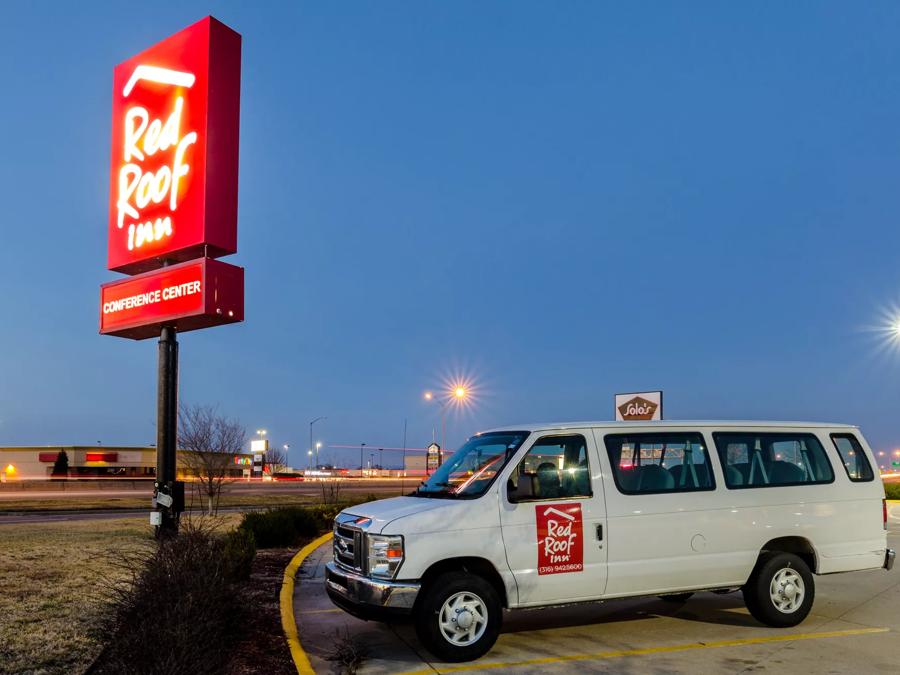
609,424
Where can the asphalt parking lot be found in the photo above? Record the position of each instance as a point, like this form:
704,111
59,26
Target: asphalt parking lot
853,627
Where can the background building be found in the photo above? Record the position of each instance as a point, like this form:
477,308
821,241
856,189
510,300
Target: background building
34,463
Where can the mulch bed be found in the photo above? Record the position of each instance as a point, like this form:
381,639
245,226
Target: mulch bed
263,648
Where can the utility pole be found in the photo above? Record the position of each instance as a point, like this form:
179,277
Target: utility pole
403,474
362,447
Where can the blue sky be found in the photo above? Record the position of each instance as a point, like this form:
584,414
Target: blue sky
557,200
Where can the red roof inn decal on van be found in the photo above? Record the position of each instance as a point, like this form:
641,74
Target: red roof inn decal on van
560,538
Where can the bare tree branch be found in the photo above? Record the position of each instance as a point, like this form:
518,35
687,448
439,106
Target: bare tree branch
209,442
275,459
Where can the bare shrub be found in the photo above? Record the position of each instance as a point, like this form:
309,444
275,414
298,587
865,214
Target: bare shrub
331,491
181,608
348,652
209,441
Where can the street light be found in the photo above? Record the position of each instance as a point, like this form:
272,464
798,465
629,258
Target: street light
362,446
457,394
310,437
308,459
261,432
318,446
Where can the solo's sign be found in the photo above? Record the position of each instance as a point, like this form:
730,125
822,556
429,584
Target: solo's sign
641,406
174,174
560,538
189,295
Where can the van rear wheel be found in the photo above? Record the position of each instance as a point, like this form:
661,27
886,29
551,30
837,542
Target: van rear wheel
458,617
780,591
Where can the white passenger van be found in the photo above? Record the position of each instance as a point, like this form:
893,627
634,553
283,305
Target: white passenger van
541,515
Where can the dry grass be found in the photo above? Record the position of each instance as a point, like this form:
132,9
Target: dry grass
52,588
134,503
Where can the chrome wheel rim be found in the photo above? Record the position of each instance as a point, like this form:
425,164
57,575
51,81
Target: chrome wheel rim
787,590
463,619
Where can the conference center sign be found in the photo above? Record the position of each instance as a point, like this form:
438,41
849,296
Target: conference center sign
188,295
174,185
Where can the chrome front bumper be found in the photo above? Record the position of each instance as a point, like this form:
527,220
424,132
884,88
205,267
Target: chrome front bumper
889,556
369,597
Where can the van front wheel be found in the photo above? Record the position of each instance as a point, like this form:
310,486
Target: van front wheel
780,591
459,617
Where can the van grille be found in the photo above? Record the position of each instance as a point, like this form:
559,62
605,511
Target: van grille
348,549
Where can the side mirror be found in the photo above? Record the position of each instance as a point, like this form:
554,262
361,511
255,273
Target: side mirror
528,489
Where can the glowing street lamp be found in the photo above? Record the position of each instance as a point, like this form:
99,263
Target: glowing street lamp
318,419
458,393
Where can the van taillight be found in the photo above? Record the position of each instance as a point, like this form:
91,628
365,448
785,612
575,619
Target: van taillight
884,512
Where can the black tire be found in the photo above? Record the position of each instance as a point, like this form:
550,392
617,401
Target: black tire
760,586
677,597
429,609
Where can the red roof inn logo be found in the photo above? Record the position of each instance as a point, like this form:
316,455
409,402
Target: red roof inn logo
560,538
174,172
642,406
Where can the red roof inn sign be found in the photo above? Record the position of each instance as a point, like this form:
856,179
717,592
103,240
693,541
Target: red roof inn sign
173,185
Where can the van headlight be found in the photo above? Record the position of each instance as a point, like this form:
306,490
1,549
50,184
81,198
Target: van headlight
385,553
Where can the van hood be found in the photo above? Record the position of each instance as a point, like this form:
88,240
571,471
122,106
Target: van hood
385,511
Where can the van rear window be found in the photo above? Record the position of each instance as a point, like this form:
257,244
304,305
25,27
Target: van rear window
757,460
856,464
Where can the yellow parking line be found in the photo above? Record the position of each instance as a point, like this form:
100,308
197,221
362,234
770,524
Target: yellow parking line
286,601
652,650
322,611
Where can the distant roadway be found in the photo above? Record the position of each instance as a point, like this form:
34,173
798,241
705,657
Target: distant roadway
238,488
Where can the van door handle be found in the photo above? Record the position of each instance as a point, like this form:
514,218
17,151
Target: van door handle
600,532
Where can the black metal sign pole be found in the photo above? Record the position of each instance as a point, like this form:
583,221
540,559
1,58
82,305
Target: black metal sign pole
166,492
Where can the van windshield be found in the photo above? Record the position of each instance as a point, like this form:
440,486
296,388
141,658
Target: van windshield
470,470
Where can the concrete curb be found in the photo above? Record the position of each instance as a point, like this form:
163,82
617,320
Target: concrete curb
286,601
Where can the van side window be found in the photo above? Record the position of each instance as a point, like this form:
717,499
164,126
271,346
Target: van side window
560,465
754,460
659,462
856,464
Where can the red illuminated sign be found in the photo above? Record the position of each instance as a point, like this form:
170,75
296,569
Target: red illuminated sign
188,296
174,173
560,538
101,456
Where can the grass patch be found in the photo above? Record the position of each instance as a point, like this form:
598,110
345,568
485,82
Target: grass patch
134,503
101,503
49,575
52,579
